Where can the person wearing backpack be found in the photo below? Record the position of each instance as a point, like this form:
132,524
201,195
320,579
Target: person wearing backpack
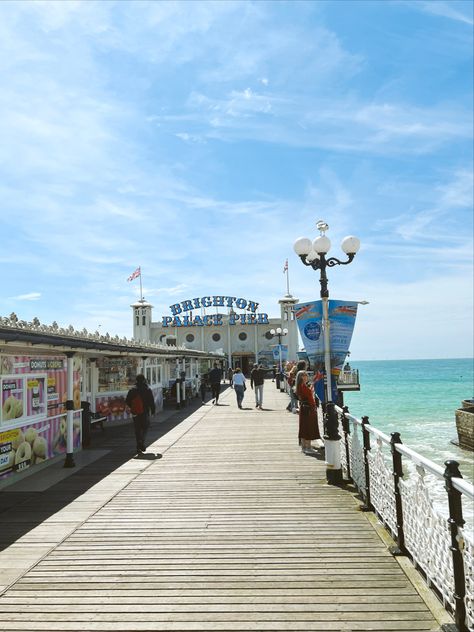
141,403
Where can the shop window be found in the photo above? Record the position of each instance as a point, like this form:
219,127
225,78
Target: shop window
216,337
242,336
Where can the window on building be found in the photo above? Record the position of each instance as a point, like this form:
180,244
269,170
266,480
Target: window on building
190,338
216,337
242,336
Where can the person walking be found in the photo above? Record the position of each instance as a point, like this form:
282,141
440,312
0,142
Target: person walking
141,403
257,380
308,417
239,385
230,374
215,378
203,388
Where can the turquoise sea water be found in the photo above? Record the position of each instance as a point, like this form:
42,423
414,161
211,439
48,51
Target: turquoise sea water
417,398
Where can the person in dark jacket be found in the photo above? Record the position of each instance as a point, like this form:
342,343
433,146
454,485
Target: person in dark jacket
141,403
215,378
257,379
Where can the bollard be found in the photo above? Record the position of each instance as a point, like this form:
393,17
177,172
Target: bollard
456,521
397,473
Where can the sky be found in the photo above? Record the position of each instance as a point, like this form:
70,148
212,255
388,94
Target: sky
199,140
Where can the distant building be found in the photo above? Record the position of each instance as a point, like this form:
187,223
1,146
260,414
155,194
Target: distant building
222,323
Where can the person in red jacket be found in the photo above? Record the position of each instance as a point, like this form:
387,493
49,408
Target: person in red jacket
308,416
141,404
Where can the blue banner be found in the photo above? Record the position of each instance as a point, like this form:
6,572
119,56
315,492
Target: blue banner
309,316
284,353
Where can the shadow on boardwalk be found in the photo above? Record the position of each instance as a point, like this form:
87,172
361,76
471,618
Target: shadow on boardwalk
21,511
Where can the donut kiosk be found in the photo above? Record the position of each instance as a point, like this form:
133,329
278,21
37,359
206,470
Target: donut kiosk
115,376
33,426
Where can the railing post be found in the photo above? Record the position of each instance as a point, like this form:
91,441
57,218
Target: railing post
399,548
367,506
456,521
347,431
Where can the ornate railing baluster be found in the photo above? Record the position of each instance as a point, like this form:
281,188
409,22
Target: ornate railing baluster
456,522
346,430
367,506
399,549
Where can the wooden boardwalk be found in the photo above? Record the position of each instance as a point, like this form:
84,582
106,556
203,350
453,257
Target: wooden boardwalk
233,529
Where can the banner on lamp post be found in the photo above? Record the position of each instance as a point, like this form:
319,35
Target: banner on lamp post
309,316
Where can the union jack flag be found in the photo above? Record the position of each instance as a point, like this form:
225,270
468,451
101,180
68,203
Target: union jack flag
285,267
134,275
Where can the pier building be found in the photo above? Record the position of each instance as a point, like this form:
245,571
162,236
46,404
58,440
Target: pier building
233,326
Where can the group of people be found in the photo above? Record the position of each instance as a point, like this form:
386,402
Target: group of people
302,399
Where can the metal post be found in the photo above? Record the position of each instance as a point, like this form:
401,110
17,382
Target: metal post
69,461
367,506
397,473
178,387
456,522
347,431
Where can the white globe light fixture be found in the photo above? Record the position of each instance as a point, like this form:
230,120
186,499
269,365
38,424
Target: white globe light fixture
350,245
302,246
322,245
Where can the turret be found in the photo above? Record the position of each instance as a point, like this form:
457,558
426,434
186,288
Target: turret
142,320
288,321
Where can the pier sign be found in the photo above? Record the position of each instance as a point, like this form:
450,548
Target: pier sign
182,313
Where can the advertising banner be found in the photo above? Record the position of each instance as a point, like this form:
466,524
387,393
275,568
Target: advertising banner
309,316
22,447
33,393
280,349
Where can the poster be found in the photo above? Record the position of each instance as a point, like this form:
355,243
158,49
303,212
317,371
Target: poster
342,316
33,410
25,446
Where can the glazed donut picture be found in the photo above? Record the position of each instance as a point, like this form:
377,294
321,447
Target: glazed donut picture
23,453
9,407
18,440
40,448
62,427
30,435
76,398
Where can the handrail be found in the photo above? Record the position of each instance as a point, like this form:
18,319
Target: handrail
459,483
438,542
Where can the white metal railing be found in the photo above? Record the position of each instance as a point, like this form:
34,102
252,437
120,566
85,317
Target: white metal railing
421,504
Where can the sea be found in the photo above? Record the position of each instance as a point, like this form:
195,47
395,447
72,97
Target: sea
418,399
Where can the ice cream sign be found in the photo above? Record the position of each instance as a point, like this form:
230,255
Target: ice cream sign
182,313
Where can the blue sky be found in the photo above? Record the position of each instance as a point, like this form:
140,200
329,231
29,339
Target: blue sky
198,140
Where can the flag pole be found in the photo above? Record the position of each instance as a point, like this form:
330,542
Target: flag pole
141,289
287,280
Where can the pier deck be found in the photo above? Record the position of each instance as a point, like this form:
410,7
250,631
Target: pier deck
232,529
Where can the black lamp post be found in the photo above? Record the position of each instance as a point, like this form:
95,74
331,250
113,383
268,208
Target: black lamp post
314,254
279,333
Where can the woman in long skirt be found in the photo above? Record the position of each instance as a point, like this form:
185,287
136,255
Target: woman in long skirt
308,416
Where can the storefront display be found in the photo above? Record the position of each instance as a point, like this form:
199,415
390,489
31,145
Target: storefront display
33,410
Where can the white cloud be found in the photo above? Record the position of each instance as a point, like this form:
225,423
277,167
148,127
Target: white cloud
451,10
31,296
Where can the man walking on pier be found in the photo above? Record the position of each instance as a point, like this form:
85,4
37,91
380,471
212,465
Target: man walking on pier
257,379
215,377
